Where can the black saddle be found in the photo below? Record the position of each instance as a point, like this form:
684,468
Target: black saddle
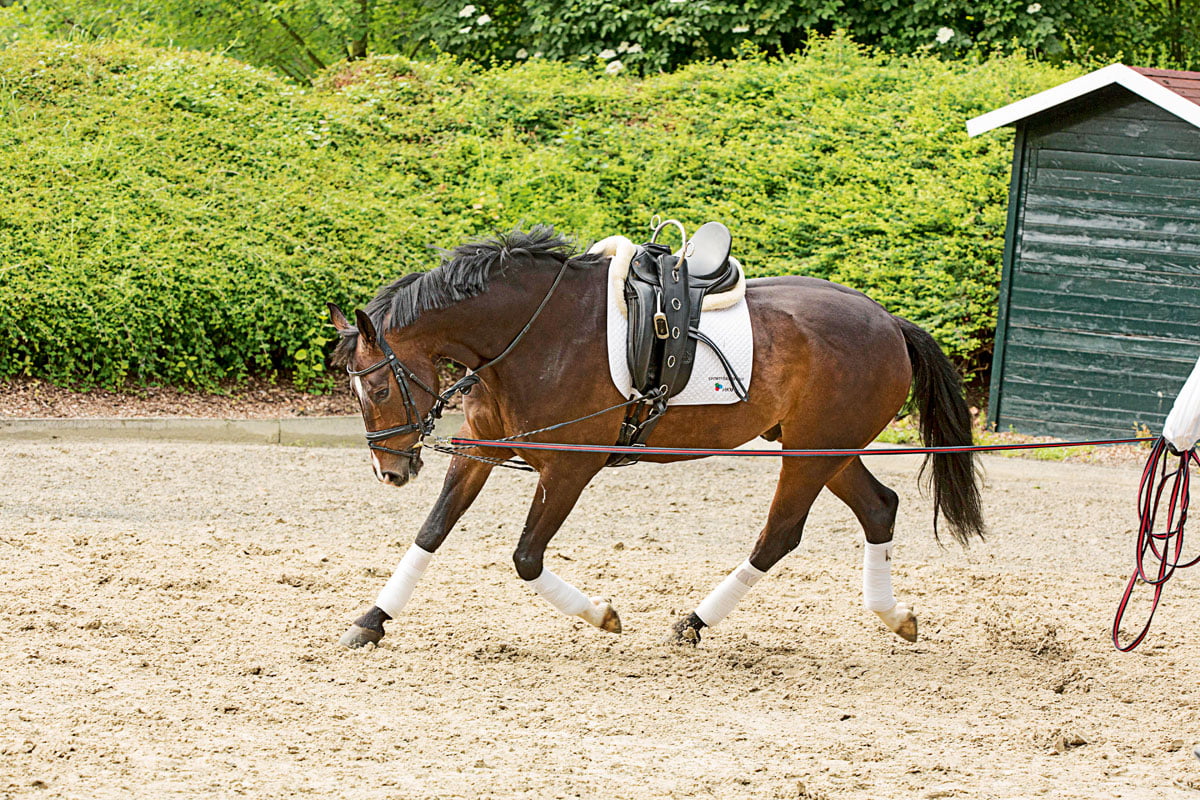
709,264
664,295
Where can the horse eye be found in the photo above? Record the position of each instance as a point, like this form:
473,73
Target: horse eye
382,394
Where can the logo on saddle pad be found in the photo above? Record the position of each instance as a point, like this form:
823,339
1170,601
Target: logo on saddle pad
720,383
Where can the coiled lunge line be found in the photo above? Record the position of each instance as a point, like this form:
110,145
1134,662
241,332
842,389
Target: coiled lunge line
1158,555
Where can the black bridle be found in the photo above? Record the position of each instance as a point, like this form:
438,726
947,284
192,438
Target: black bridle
414,422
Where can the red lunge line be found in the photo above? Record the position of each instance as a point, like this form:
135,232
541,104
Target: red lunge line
1154,483
701,451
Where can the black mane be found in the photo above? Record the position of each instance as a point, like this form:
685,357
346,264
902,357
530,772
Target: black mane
464,272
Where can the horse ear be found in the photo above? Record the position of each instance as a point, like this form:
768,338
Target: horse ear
338,318
365,328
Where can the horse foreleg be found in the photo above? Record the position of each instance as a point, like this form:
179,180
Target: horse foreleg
557,493
464,480
875,506
799,485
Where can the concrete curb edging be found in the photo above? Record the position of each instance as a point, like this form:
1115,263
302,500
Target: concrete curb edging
339,431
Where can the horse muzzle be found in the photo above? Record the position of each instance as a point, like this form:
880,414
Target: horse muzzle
405,470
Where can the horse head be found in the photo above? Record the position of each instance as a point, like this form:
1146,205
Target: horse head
396,385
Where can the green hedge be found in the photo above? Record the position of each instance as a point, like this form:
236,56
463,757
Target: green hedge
183,218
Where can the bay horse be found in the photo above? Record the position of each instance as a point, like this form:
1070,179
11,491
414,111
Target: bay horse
831,369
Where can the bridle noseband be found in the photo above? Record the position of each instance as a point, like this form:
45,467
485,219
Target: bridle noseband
413,421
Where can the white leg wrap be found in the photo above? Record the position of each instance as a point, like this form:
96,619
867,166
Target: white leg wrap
399,588
560,594
722,599
877,577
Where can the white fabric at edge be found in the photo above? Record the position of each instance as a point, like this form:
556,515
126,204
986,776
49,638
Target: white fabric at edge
1182,427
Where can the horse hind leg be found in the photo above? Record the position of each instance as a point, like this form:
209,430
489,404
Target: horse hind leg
875,506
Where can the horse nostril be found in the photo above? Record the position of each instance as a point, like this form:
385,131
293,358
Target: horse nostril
392,477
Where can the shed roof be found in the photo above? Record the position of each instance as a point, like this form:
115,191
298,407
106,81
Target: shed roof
1172,90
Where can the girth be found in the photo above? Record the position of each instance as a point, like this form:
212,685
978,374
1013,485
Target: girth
664,300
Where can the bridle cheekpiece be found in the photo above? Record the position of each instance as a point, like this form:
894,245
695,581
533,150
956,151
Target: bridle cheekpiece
414,422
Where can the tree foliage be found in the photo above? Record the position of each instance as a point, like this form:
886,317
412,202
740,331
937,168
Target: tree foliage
296,37
299,37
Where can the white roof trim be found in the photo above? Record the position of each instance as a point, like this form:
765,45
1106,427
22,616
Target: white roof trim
1119,74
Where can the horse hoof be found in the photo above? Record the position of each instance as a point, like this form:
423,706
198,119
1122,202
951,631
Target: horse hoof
604,616
908,629
900,620
358,637
685,631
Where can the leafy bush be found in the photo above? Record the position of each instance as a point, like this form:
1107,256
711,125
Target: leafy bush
182,218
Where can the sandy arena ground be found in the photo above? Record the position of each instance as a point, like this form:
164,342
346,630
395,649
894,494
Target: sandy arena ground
168,616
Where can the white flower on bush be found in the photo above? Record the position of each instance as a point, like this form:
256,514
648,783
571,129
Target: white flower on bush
634,49
944,35
614,67
622,47
1033,8
740,29
522,54
466,11
484,19
465,30
607,54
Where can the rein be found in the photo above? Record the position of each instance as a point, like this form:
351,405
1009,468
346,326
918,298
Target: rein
414,422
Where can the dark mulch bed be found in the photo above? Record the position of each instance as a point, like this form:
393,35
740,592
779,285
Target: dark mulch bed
255,399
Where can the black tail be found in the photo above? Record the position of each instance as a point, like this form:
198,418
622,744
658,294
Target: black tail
945,420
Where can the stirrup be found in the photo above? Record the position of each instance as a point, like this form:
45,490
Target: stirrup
657,223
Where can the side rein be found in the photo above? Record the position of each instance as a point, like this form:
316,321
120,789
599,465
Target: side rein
414,422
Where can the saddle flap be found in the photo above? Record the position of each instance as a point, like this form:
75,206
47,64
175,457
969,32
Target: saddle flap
640,338
659,350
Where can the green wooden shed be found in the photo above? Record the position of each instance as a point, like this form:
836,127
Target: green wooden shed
1099,308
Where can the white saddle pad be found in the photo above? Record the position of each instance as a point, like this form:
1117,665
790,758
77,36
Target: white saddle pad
726,324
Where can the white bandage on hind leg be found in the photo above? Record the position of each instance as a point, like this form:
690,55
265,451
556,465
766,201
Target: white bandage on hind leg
877,577
722,599
560,594
399,588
